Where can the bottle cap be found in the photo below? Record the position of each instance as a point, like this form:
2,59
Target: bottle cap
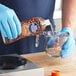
55,73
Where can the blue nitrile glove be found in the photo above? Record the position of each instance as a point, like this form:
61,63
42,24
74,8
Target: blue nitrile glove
69,45
9,23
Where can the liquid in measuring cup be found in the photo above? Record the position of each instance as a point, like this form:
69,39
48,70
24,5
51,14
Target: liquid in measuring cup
53,52
53,44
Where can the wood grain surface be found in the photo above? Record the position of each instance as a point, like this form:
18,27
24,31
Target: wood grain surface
67,66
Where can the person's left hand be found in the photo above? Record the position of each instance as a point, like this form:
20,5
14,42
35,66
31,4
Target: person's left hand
69,45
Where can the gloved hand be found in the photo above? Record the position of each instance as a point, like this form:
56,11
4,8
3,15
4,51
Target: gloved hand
9,23
69,45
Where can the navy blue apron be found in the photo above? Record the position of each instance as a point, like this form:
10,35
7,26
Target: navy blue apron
24,10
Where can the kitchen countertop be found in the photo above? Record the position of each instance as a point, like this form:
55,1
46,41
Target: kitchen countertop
67,66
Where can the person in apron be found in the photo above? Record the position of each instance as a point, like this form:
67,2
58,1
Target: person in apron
22,10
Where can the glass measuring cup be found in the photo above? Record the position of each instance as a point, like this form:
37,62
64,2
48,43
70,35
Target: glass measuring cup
54,42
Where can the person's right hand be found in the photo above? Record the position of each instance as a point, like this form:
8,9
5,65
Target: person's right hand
9,23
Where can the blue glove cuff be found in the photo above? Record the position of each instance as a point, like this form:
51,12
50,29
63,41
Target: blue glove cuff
67,29
70,43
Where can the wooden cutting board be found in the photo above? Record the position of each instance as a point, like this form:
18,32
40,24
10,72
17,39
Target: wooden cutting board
67,66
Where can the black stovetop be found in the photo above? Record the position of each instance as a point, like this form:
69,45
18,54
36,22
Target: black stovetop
14,62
